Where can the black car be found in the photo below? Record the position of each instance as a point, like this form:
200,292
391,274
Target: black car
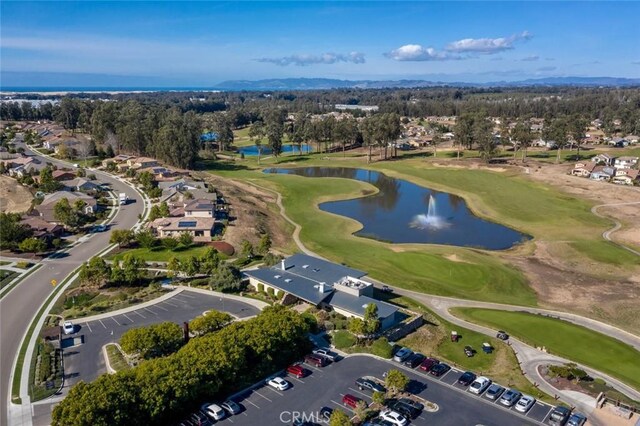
369,384
466,378
468,351
559,416
325,413
407,407
502,335
414,360
439,369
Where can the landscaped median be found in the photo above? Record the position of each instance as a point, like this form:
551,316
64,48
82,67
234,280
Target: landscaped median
558,337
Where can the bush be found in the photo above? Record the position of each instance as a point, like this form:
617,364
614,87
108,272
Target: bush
382,348
260,288
343,339
271,293
311,320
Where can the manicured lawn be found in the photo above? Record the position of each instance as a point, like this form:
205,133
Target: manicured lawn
605,252
116,359
343,339
160,254
562,338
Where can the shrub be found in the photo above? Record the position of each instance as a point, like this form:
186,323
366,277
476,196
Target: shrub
343,339
260,288
382,348
271,293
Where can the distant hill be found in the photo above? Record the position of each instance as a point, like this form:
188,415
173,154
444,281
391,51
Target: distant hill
327,83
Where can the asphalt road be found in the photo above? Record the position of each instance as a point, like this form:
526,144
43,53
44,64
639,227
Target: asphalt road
18,307
326,387
85,362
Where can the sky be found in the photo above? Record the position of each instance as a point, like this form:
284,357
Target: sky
192,44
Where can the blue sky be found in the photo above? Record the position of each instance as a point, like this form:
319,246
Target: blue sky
202,43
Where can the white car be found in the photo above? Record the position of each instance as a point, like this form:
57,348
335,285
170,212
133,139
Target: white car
525,403
393,417
68,327
214,411
332,356
479,385
278,383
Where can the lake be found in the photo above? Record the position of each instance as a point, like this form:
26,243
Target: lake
403,212
286,149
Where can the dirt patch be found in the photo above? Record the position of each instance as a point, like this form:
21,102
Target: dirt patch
455,258
470,165
14,198
254,212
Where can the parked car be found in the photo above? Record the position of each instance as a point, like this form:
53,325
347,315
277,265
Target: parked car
466,378
199,418
414,360
525,403
402,354
315,360
387,289
325,413
278,383
494,391
213,411
377,422
68,327
428,363
394,417
100,228
297,371
577,419
231,407
350,401
559,416
369,384
439,369
407,407
510,397
468,351
479,385
331,356
502,335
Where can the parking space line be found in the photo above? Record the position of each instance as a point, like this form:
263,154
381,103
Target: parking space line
160,307
247,400
114,320
88,326
136,312
154,313
361,393
258,393
273,390
547,415
183,294
100,321
295,378
127,317
346,407
169,303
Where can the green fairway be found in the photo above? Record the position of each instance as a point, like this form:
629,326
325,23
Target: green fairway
605,252
562,338
160,254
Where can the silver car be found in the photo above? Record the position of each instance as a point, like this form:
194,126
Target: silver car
510,397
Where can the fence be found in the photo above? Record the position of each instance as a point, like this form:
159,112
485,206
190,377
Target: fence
396,333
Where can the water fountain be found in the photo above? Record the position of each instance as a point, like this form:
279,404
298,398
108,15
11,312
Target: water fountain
431,220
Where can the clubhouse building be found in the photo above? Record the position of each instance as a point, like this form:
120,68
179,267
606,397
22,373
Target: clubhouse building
324,284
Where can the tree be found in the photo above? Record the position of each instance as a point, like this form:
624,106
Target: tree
64,213
132,268
437,140
345,131
483,136
256,134
174,266
209,261
274,129
32,245
264,245
339,418
152,341
464,131
190,266
226,278
47,183
186,239
12,232
523,137
557,131
378,398
356,326
360,410
122,237
247,249
145,238
154,213
209,322
577,127
222,126
371,320
170,243
96,272
164,209
396,381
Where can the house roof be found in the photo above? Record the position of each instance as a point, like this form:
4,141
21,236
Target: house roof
357,304
319,270
61,173
200,204
626,159
39,224
301,287
71,196
586,166
184,223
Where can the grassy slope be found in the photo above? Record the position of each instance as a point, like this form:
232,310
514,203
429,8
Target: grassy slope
565,339
160,254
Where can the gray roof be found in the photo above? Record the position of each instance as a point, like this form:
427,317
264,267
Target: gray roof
319,270
357,304
300,287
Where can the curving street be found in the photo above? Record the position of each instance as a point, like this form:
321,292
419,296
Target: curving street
18,306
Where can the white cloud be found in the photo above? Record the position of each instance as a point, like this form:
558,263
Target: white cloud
325,58
416,52
487,46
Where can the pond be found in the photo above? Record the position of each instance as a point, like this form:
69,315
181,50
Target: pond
286,149
403,212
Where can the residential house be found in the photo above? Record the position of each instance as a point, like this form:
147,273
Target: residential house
31,168
626,177
625,162
618,142
633,139
61,175
200,208
46,207
81,185
201,228
121,158
600,173
323,284
141,162
42,228
583,168
604,159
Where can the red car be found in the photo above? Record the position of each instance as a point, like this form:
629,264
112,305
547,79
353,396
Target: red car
428,363
351,401
315,360
297,371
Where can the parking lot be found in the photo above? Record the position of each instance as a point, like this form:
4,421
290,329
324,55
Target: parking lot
326,387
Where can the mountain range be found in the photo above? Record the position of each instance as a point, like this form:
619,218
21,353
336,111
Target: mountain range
327,83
